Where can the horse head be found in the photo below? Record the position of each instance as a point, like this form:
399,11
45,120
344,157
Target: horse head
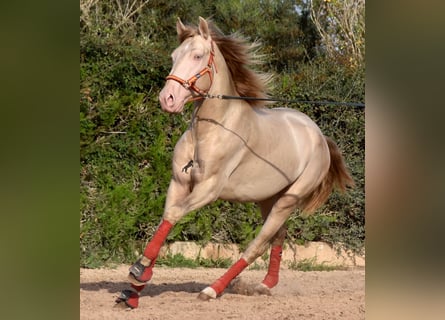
193,67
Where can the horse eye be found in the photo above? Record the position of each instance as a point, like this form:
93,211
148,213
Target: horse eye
198,56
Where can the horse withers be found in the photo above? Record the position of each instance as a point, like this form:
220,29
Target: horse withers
237,150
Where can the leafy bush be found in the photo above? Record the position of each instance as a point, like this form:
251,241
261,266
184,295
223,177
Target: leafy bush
126,141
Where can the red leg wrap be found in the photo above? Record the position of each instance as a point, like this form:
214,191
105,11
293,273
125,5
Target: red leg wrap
133,301
151,252
142,270
138,288
153,247
271,278
147,273
220,284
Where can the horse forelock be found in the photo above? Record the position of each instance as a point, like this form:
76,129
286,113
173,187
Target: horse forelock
187,33
238,54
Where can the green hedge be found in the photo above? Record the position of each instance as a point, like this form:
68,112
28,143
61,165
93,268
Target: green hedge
126,145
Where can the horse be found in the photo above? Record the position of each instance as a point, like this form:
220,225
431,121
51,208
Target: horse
237,150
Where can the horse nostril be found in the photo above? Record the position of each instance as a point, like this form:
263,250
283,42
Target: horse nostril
170,99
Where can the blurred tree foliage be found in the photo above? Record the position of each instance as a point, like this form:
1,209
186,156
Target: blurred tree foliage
126,142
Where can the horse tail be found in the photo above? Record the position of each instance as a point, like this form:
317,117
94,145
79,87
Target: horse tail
338,177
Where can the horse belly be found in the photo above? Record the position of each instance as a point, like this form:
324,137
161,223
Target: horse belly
265,171
255,183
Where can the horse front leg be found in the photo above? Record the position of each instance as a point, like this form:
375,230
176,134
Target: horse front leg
180,201
142,270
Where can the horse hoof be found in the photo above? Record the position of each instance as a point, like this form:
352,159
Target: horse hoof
135,281
262,289
127,299
121,305
207,294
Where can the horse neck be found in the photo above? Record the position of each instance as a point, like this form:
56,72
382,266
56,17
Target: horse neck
218,109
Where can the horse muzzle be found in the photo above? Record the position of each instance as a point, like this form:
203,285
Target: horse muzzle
172,100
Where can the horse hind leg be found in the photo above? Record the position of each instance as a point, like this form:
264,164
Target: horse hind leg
276,219
295,196
272,277
301,192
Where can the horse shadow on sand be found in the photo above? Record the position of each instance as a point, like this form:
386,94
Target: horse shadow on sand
151,290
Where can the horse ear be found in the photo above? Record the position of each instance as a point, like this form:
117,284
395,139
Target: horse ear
204,28
180,28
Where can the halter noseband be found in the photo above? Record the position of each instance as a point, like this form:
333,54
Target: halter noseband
190,84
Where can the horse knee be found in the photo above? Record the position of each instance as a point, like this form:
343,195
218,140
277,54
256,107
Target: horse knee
173,214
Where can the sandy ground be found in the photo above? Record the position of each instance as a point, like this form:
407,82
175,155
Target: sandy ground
172,294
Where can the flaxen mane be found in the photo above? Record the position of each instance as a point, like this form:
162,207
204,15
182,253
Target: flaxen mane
239,54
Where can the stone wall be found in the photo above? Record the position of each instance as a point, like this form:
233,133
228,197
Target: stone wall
320,252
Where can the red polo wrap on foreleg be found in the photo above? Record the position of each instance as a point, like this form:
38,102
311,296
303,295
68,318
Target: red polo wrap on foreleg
133,301
220,284
138,288
153,247
271,278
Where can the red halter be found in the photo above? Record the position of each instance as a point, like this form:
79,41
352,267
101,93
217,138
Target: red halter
190,84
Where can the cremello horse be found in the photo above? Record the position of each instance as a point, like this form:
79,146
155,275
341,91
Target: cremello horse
238,151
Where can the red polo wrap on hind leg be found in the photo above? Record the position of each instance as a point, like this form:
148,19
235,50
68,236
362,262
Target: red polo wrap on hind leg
271,278
220,284
153,247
